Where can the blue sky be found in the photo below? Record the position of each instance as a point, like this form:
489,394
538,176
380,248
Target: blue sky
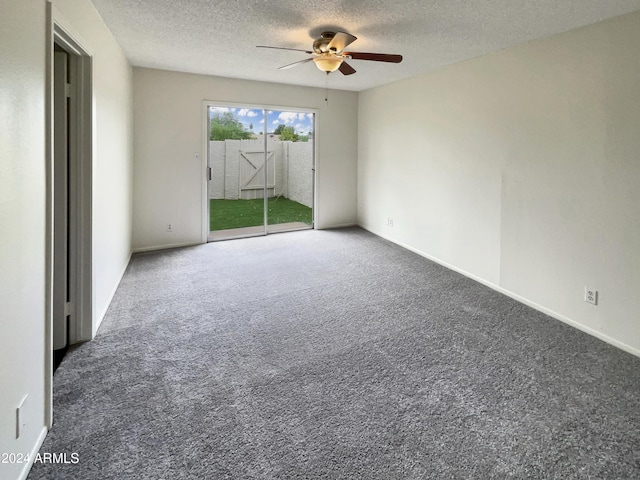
301,122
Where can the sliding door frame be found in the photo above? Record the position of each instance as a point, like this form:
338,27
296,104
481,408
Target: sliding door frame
205,214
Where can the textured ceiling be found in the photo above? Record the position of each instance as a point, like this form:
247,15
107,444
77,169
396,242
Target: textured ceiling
219,37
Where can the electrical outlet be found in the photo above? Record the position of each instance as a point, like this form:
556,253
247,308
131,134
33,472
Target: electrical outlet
21,418
169,227
389,222
591,295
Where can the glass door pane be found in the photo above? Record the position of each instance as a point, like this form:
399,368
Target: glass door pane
237,162
291,159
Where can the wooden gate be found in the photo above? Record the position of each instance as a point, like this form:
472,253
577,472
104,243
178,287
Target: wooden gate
251,174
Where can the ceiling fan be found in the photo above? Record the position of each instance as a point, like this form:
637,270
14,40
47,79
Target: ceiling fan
329,55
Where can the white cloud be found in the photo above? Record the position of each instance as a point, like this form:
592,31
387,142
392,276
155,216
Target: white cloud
245,112
288,117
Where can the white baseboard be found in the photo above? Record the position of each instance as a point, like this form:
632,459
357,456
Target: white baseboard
508,293
102,314
32,455
338,225
165,247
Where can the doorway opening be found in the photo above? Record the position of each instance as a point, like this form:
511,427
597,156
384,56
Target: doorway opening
62,204
261,170
69,198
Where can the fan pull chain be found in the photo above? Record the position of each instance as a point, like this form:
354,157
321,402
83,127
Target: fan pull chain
326,89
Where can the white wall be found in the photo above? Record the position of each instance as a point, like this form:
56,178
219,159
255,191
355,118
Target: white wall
113,150
23,201
168,132
521,169
22,224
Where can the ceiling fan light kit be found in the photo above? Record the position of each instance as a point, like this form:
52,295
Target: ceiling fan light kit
328,63
328,54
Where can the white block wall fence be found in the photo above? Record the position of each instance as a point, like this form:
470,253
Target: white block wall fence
237,170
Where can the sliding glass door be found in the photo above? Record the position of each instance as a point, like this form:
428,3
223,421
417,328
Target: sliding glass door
261,171
291,137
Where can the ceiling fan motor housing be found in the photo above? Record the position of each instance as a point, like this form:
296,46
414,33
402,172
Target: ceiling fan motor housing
322,43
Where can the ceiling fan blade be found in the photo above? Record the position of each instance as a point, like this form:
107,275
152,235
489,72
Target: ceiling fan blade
299,62
285,48
346,69
376,57
340,41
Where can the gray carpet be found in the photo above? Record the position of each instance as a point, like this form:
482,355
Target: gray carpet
337,355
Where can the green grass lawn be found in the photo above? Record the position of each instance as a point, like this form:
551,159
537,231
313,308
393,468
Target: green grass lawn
225,214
